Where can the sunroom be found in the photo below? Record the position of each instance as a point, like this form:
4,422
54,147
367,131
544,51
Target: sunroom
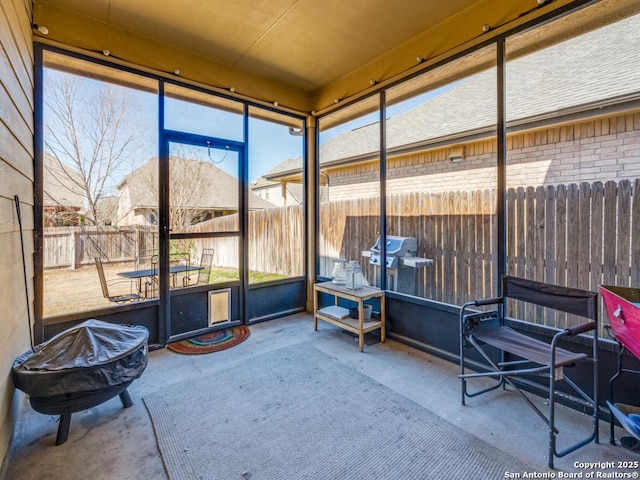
194,167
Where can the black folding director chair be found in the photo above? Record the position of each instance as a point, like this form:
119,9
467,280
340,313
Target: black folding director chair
533,357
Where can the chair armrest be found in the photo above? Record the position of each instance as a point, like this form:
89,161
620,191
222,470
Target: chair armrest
585,327
477,303
487,301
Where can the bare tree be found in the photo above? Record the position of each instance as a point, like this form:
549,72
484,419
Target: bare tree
189,185
90,133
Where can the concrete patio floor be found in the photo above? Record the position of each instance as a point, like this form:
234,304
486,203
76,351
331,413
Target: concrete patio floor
109,442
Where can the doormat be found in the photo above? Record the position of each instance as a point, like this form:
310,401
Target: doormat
211,342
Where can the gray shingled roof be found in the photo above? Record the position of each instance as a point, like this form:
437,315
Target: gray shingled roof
595,67
204,186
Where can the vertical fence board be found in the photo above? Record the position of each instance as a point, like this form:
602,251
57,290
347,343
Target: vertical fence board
623,233
583,237
520,232
492,243
439,257
454,239
572,228
561,235
511,248
549,247
530,228
521,243
550,234
596,231
609,230
474,231
539,244
539,233
634,275
464,243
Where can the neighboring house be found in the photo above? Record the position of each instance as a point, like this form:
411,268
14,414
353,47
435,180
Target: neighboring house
586,129
199,191
64,201
281,194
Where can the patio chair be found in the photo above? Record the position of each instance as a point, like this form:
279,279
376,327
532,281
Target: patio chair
178,259
202,275
120,299
147,260
521,356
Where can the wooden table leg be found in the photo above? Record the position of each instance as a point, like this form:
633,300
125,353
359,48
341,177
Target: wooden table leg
360,327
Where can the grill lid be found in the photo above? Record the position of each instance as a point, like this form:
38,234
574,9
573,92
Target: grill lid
397,246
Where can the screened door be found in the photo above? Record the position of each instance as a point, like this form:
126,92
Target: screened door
200,271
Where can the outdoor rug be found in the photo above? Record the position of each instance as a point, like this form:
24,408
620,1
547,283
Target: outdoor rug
211,342
297,413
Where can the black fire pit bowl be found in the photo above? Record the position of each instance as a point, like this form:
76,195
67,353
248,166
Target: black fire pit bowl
80,368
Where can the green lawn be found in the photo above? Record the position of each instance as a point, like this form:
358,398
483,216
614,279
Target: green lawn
219,275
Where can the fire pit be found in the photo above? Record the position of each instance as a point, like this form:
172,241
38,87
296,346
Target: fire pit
400,261
80,368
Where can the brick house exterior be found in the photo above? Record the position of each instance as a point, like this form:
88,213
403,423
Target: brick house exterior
601,149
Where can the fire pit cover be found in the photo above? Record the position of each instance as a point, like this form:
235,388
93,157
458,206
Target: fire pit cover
91,356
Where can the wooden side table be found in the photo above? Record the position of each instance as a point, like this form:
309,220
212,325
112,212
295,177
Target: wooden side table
339,316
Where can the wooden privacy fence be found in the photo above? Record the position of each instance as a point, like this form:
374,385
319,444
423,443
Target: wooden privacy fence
455,229
73,247
275,238
579,235
275,242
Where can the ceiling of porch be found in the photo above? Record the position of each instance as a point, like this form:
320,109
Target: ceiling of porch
301,53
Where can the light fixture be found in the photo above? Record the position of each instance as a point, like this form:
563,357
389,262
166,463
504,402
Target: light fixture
313,112
336,100
41,28
106,52
176,72
275,104
419,59
231,89
456,154
373,81
542,2
486,27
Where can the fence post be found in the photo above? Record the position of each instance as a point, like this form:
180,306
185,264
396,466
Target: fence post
73,251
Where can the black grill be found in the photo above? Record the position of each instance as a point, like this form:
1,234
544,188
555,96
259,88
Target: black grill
401,263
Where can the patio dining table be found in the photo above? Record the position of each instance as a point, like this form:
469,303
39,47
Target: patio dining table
152,275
